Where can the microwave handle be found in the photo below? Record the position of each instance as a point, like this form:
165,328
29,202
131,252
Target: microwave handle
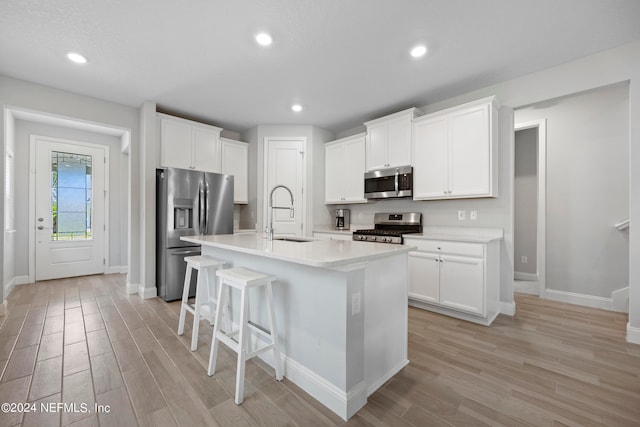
396,183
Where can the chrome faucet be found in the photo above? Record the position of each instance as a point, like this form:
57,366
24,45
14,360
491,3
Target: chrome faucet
269,229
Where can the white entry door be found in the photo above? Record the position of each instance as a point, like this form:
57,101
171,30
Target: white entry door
285,166
69,209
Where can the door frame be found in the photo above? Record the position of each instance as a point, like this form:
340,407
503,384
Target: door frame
265,192
541,250
32,197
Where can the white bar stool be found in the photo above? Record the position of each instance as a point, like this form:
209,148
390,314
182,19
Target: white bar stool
243,279
205,295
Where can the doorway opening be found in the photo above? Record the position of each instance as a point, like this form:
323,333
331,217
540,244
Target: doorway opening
530,208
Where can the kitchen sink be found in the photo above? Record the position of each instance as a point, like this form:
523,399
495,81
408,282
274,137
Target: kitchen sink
293,239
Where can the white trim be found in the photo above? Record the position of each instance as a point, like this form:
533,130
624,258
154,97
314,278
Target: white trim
386,377
579,299
529,277
4,308
541,241
620,300
15,281
508,308
147,293
633,334
131,288
32,196
116,269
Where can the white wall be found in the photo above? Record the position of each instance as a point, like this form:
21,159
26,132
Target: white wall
587,189
29,96
526,200
314,160
118,182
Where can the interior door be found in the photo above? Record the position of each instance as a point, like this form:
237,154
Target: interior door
69,209
285,166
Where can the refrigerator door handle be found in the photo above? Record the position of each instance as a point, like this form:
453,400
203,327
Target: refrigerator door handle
201,201
206,208
186,253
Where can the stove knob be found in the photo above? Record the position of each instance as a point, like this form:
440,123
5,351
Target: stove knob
373,238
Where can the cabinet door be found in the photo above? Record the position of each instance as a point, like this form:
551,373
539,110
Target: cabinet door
354,153
424,276
334,171
377,146
206,150
470,152
175,144
399,141
462,283
430,158
235,162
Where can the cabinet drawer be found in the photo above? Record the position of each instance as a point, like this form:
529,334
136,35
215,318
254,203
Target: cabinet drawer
446,247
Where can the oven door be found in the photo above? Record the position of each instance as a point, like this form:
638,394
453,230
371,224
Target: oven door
388,183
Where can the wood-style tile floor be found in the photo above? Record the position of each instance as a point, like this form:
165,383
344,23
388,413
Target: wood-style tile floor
82,341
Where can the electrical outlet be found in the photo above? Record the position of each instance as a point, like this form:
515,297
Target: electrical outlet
355,303
523,259
473,215
462,215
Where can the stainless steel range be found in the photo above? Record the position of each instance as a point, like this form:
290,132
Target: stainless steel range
389,227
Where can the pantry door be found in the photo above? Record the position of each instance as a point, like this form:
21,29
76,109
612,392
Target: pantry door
285,166
70,205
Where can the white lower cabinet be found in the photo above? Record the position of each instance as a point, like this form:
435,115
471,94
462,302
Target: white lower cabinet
459,279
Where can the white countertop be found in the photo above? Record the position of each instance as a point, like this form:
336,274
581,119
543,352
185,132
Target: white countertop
458,234
315,253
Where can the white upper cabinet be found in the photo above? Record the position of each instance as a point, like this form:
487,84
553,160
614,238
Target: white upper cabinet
344,170
389,140
235,161
455,152
189,145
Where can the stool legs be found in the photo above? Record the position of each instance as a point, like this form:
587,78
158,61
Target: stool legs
196,311
243,349
185,299
222,302
274,333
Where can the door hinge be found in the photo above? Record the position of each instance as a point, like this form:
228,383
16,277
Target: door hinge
105,159
104,227
104,261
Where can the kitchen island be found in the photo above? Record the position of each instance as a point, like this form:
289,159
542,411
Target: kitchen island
341,310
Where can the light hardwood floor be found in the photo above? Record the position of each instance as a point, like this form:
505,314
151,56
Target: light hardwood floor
84,341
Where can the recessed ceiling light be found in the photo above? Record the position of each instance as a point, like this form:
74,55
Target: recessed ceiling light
77,58
264,39
296,107
418,51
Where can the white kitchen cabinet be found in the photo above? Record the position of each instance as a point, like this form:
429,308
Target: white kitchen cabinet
460,279
189,145
235,161
344,170
455,152
389,140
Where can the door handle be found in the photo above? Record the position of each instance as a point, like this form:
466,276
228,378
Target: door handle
41,227
187,253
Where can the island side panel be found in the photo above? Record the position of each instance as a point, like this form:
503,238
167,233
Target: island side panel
313,315
386,320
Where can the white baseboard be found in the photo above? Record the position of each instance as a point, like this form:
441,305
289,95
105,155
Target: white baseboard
343,404
579,299
508,308
131,288
620,300
16,281
633,334
530,277
3,308
386,377
147,293
116,269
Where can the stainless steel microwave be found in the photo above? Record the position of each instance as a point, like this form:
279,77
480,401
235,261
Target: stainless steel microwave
389,183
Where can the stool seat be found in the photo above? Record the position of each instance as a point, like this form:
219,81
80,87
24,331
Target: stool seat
244,279
205,301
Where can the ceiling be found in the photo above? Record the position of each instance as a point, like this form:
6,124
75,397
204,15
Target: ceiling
344,61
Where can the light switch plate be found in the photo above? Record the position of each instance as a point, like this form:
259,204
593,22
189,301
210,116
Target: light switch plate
473,215
356,303
462,215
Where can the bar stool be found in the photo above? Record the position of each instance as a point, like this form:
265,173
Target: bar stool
243,279
205,295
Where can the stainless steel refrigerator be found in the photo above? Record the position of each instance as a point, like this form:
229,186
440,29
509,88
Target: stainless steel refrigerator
188,203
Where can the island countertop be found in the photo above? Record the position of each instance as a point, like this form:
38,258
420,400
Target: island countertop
313,252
